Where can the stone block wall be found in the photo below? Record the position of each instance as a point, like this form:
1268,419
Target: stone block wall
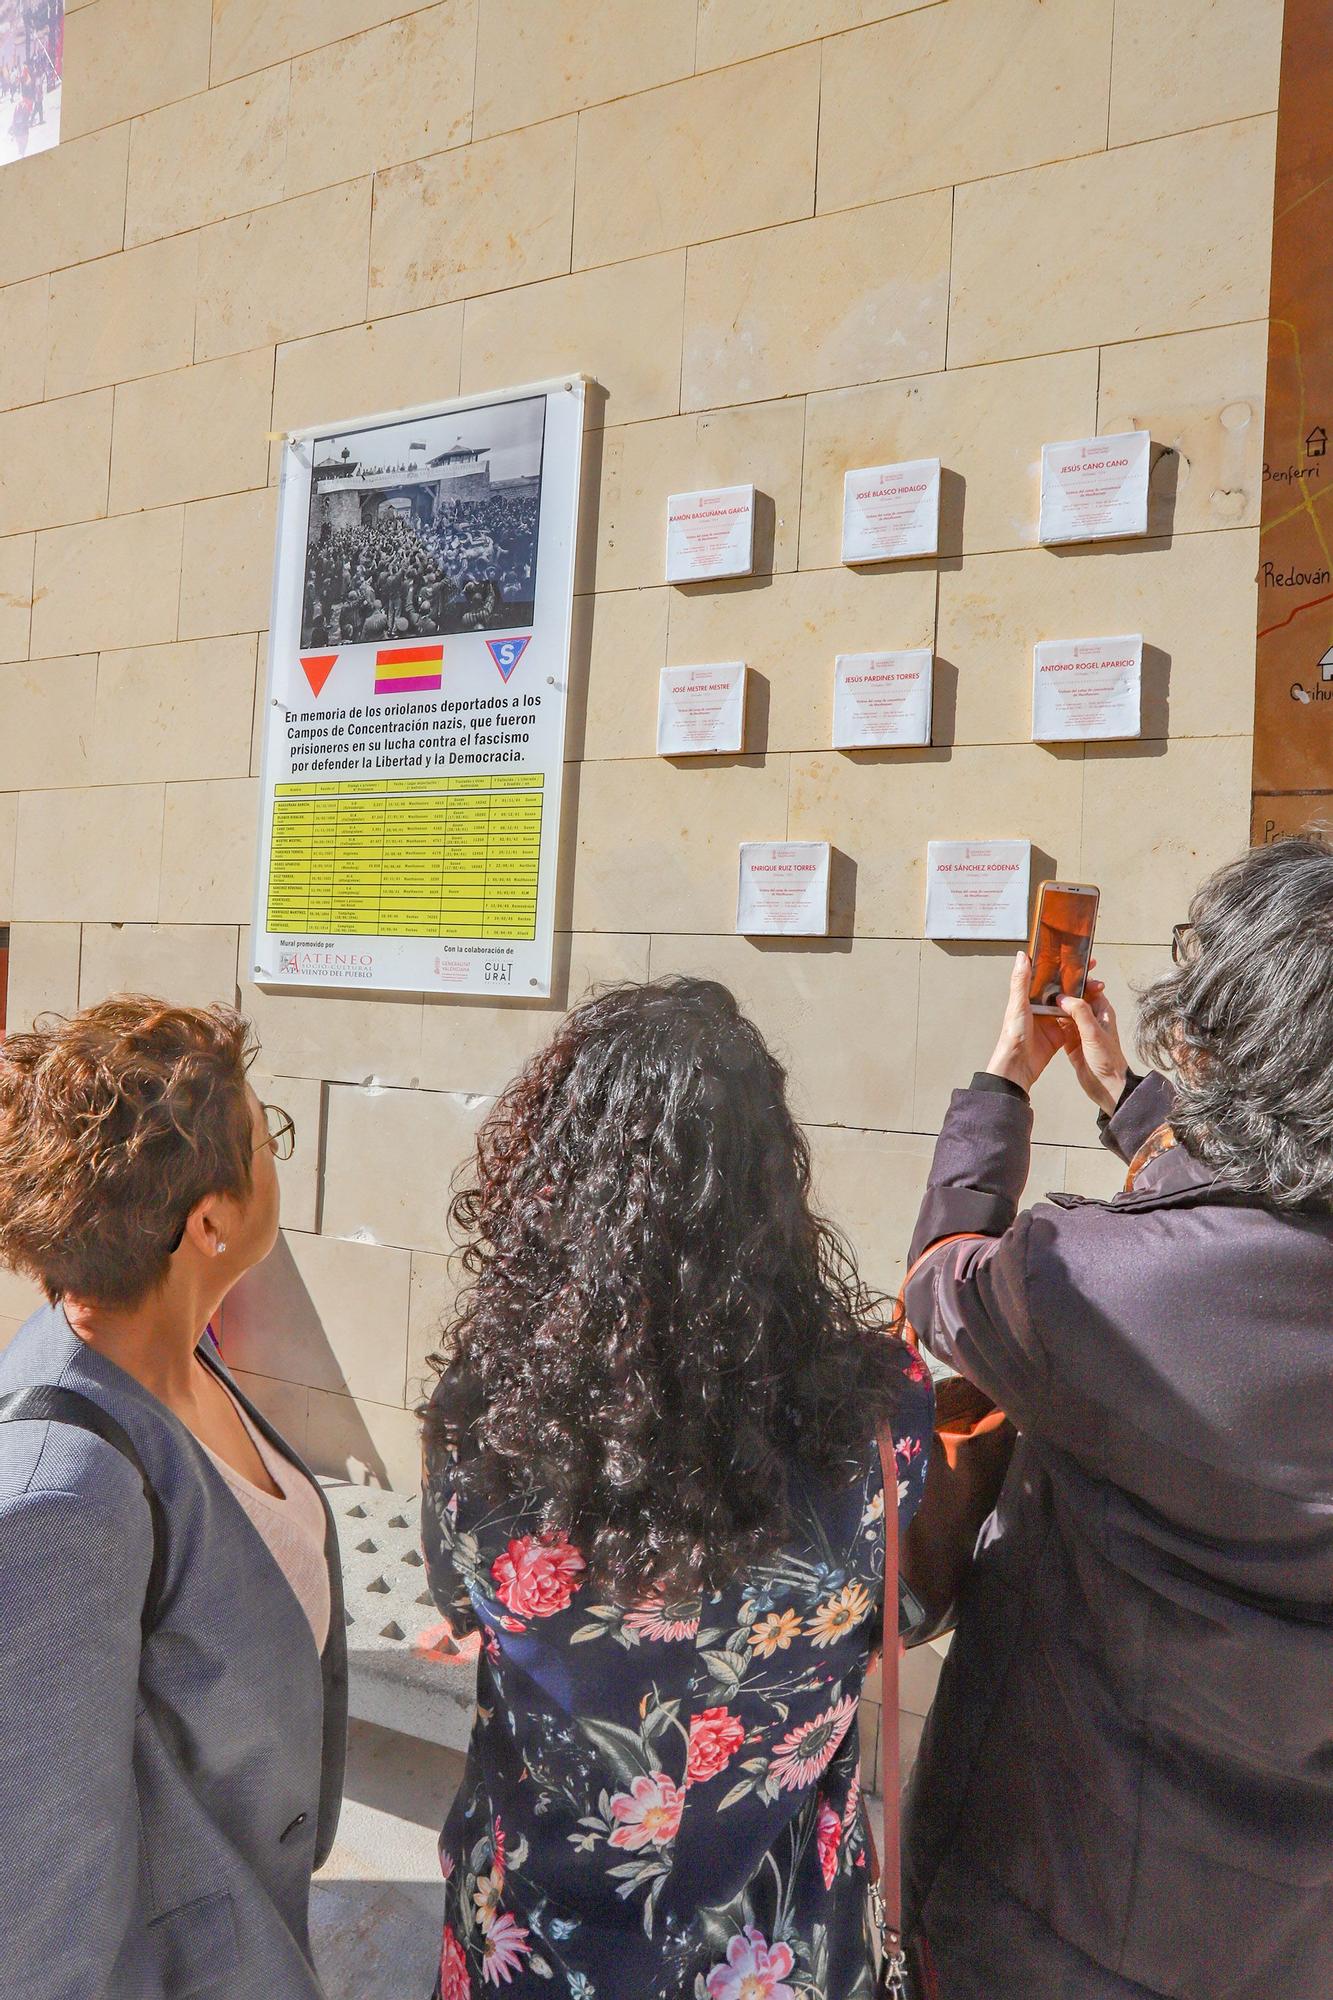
786,236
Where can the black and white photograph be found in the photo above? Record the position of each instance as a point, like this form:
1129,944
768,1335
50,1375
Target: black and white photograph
425,527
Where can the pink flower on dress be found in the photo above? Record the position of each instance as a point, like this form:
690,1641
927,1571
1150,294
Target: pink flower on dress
503,1950
852,1806
715,1737
828,1837
805,1753
648,1813
454,1981
755,1970
499,1849
655,1620
537,1576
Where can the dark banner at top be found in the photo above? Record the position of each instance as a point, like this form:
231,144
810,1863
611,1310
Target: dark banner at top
32,60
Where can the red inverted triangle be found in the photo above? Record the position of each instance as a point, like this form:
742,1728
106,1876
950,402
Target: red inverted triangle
317,667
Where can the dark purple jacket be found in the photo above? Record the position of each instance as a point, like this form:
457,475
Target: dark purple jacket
1133,1737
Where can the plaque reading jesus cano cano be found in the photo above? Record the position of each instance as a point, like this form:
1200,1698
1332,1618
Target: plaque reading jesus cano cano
415,712
1095,489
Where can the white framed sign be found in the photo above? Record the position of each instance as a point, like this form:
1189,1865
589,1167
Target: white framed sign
784,888
882,699
701,710
710,535
978,888
1095,489
1087,690
891,512
415,706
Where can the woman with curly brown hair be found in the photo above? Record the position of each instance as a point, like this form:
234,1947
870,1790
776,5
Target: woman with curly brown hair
654,1486
172,1662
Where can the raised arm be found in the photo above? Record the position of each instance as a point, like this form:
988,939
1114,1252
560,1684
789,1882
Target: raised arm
967,1292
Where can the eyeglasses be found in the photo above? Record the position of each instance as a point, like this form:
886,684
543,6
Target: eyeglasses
1180,937
281,1139
281,1132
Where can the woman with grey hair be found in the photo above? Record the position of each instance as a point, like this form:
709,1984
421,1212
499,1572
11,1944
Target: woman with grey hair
1125,1790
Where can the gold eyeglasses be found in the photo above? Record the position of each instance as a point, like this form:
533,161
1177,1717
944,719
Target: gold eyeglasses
281,1131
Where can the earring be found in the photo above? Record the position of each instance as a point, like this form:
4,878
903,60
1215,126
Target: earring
220,1249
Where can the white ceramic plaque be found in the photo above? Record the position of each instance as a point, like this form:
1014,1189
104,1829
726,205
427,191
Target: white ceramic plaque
977,888
890,512
881,700
784,888
701,710
1086,690
710,534
1095,489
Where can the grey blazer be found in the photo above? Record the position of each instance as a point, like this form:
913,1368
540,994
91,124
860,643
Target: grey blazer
162,1803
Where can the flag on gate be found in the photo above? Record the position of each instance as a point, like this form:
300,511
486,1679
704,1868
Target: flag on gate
409,669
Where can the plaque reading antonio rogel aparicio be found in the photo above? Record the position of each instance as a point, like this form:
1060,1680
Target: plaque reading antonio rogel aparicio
1087,690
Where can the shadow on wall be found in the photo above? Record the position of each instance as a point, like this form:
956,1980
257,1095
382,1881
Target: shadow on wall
272,1333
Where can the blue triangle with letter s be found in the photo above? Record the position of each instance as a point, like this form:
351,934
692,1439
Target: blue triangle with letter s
507,653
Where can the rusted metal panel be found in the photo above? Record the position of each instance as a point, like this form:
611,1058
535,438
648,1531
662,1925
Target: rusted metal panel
1293,730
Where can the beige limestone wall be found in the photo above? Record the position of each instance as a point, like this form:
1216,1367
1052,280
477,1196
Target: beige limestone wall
786,236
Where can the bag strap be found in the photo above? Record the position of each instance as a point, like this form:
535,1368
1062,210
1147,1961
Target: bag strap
890,1783
45,1403
909,1332
1163,1140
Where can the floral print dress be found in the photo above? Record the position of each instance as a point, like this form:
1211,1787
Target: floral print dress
663,1800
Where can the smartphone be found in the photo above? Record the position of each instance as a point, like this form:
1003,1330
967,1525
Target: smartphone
1062,943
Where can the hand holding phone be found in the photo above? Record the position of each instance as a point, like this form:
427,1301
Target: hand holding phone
1062,938
1094,1050
1036,1025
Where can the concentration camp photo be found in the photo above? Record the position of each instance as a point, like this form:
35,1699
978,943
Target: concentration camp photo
666,1066
424,528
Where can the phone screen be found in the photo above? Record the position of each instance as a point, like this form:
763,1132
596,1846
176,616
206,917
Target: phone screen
1062,944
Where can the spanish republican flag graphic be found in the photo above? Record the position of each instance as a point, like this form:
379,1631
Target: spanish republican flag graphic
409,669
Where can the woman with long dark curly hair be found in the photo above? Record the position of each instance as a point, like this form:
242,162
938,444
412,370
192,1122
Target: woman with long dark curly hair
654,1485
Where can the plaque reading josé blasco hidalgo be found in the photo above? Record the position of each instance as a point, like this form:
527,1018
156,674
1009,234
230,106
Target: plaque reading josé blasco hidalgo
415,714
891,513
1095,489
1086,690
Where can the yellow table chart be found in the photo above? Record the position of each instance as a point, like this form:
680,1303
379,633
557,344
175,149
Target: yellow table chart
407,857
